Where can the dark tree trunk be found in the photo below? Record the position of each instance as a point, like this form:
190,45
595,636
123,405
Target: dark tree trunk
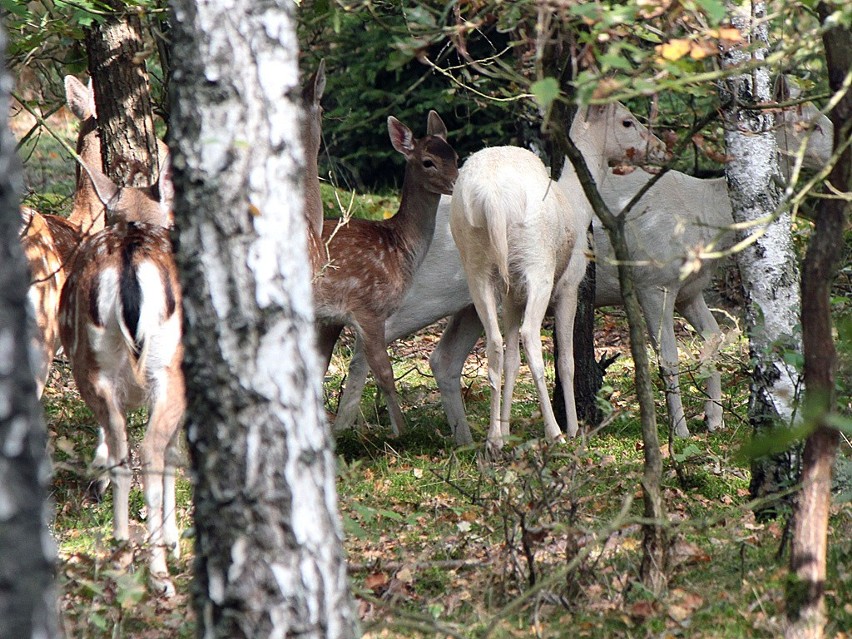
588,372
558,63
27,553
268,553
120,80
805,595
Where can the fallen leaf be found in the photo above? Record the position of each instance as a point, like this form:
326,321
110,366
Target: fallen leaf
376,581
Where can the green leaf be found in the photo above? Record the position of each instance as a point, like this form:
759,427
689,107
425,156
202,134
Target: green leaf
715,9
545,91
691,450
352,528
840,422
614,61
384,512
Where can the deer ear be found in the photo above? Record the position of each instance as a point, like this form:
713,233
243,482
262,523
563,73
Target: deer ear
595,112
782,89
166,187
319,81
435,125
312,93
106,190
401,136
79,97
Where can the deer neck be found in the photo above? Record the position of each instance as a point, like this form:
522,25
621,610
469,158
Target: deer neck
569,181
415,219
313,196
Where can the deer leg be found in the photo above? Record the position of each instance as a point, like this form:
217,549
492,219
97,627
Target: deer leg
565,309
101,464
485,301
327,335
171,532
165,415
536,307
350,401
696,313
659,315
511,358
377,357
108,411
447,362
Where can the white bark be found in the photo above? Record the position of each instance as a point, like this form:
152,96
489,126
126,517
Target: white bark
768,267
27,550
269,553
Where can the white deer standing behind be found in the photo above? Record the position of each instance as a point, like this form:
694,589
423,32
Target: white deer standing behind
521,240
120,325
697,209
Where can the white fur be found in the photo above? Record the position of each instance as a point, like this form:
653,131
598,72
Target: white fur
686,211
508,217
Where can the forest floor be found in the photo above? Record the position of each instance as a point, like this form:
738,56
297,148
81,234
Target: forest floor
544,543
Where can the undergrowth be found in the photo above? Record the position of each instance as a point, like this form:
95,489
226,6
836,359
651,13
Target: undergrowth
545,542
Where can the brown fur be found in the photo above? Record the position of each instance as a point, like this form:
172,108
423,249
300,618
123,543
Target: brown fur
369,265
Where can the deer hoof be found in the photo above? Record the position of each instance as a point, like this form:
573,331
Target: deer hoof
161,585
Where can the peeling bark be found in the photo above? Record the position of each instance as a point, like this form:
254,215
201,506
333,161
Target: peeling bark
769,271
27,552
269,559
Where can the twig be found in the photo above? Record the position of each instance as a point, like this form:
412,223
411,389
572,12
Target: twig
444,564
42,122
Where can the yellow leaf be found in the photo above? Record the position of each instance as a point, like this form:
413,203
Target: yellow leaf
730,34
674,49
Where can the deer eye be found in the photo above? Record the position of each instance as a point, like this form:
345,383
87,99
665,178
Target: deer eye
428,164
627,123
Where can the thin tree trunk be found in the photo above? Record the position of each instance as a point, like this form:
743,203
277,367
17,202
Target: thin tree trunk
655,542
120,80
269,559
805,595
769,271
27,552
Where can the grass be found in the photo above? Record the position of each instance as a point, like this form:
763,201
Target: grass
545,542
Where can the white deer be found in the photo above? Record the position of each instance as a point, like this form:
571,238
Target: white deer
120,325
440,288
521,239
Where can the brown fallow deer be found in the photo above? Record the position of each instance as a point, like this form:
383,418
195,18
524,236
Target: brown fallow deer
50,242
120,325
371,263
311,133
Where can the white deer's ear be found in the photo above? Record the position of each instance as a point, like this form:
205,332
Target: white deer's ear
595,112
435,125
401,136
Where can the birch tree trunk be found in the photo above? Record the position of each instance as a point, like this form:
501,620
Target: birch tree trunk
27,553
123,98
806,590
269,559
768,266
